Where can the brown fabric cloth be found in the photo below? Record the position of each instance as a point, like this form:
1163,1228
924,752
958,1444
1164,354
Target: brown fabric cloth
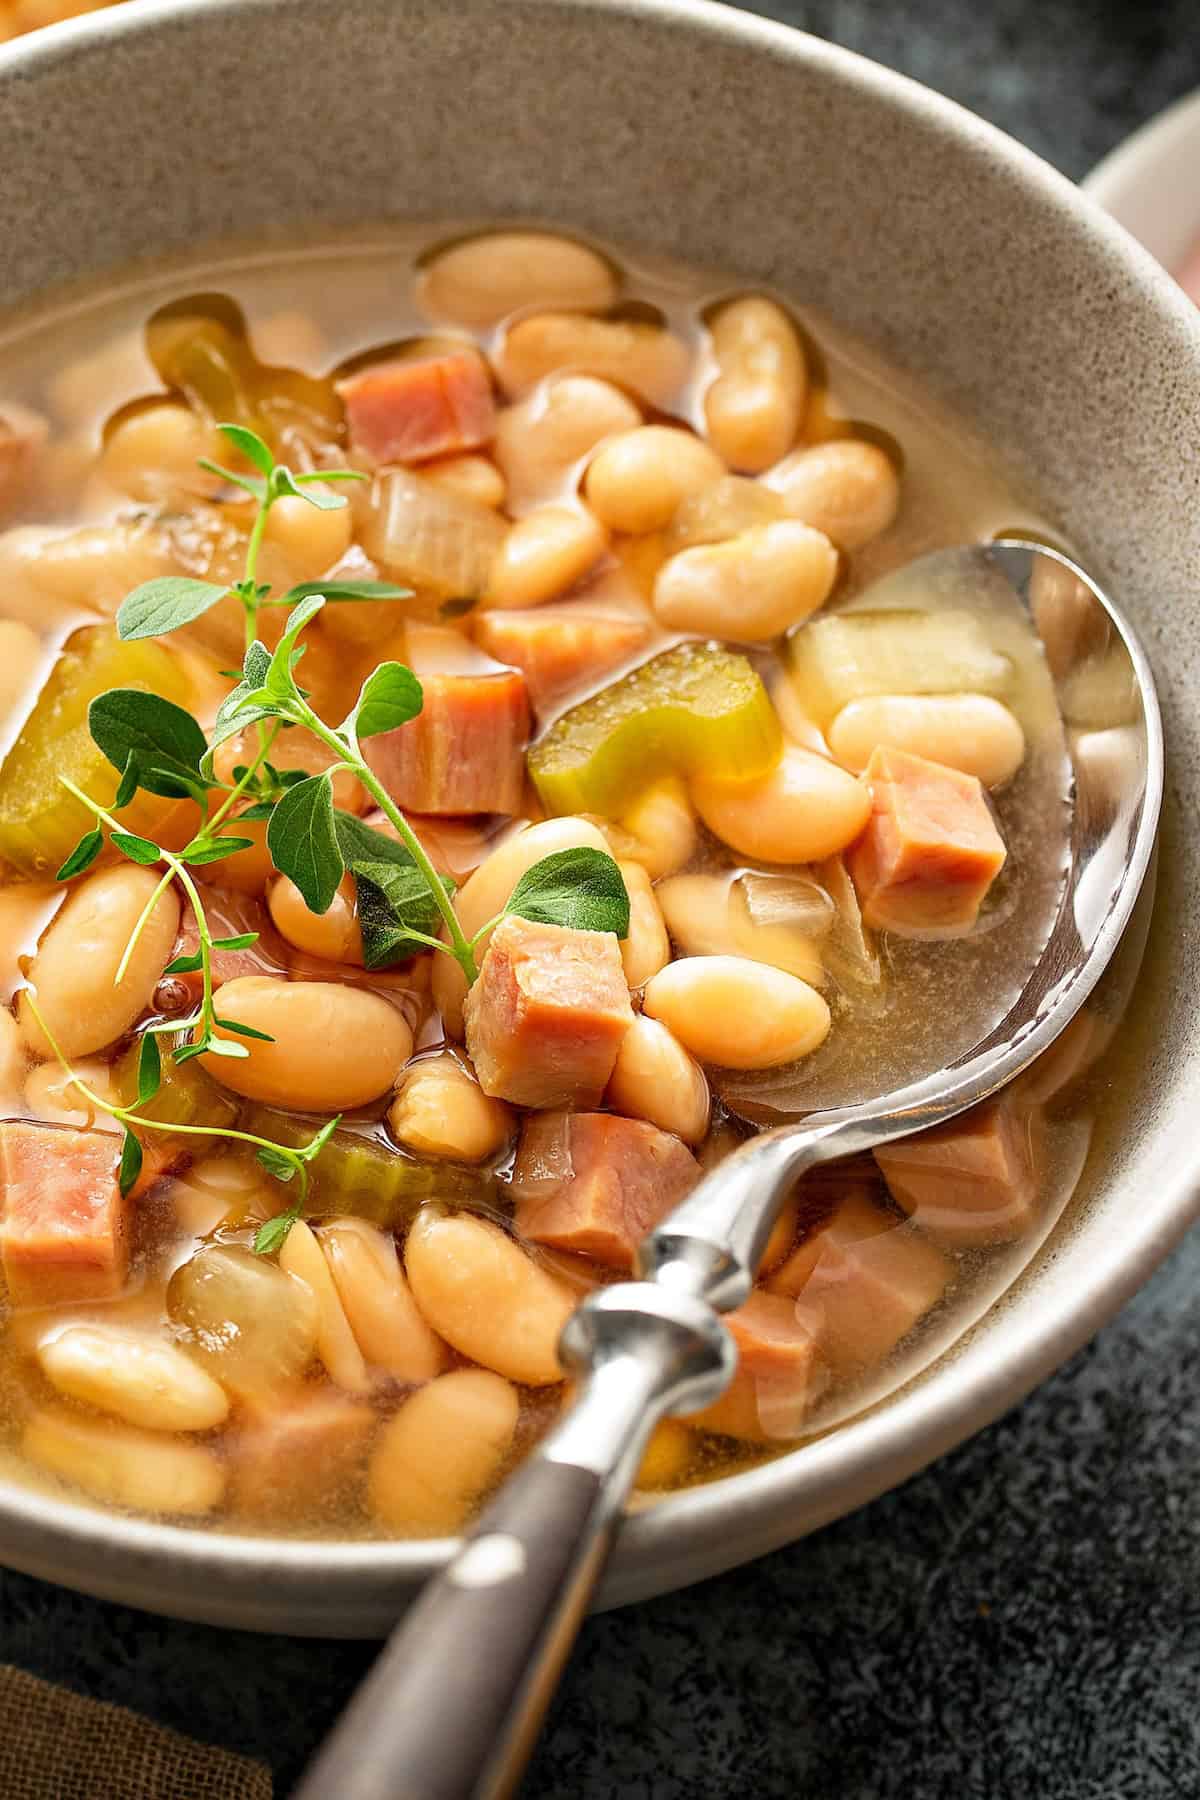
55,1745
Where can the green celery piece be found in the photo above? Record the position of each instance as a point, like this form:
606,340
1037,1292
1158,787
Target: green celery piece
361,1174
40,822
695,708
187,1094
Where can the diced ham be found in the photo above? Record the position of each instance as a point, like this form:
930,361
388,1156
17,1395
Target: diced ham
562,646
301,1450
65,1230
229,915
596,1184
546,1017
420,407
778,1378
930,850
465,750
861,1281
455,847
22,435
972,1181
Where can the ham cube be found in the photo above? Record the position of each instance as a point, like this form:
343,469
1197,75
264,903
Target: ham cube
229,915
465,750
596,1184
301,1451
973,1181
861,1281
779,1376
65,1230
22,436
419,407
545,1020
930,850
563,646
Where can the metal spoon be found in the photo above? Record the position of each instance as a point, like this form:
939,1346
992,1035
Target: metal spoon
453,1705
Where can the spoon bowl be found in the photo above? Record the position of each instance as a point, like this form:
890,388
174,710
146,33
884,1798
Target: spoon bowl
454,1702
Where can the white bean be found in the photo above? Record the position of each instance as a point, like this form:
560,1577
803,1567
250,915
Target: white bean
755,407
847,488
480,281
441,1110
654,1078
804,810
662,825
332,1047
153,455
541,439
732,505
124,1466
311,539
334,935
635,482
145,1380
480,1292
470,477
74,971
486,892
647,359
751,587
647,947
737,1013
441,1452
543,555
970,732
383,1315
336,1344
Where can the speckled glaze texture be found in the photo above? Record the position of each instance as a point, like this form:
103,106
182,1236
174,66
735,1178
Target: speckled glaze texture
717,137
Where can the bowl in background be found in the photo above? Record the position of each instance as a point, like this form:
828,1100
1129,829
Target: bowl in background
1151,185
719,138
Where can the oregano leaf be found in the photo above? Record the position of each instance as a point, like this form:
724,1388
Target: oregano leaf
131,1162
137,849
581,889
390,696
165,604
83,855
160,742
250,445
302,839
149,1072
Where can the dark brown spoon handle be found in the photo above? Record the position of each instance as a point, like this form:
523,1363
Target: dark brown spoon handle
453,1704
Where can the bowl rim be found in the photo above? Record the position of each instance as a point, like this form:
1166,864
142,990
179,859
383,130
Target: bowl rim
701,1530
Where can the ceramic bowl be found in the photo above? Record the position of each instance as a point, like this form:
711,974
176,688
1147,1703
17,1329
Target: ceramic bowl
714,136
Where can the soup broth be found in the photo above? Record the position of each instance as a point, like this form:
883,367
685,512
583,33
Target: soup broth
638,525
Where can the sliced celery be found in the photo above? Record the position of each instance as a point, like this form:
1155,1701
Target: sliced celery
40,822
186,1095
362,1174
694,708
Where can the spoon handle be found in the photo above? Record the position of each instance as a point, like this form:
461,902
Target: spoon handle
451,1709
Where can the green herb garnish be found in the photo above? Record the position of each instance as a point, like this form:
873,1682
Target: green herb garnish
404,905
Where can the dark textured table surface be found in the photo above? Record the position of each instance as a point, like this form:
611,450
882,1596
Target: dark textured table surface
1021,1622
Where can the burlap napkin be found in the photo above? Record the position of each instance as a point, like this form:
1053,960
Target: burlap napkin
55,1745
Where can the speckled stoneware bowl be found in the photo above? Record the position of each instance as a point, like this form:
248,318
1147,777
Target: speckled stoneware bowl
716,137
